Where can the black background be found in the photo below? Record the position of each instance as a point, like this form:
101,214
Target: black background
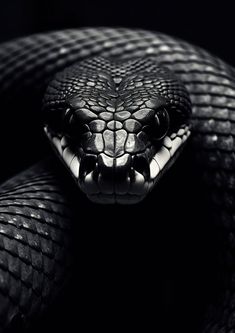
150,268
208,24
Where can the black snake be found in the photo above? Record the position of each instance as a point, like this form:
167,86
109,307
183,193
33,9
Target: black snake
118,117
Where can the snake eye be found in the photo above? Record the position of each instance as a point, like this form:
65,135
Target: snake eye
67,120
52,118
161,123
71,125
68,123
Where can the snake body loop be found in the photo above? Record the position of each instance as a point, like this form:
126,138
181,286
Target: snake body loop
35,207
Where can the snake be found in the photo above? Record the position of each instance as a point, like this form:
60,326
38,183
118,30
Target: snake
118,107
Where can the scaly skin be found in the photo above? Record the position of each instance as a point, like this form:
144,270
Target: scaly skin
117,125
35,243
27,64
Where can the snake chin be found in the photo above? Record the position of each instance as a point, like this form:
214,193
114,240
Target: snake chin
134,177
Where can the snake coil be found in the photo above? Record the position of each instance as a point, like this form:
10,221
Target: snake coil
35,209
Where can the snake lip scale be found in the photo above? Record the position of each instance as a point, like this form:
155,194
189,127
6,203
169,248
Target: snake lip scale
124,193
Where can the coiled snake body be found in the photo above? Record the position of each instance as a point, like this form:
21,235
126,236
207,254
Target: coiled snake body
117,117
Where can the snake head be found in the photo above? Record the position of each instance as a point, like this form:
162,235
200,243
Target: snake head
117,125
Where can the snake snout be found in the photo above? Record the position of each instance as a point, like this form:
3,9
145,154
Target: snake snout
120,179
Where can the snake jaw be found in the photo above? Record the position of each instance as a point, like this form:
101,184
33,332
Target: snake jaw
125,179
171,147
115,180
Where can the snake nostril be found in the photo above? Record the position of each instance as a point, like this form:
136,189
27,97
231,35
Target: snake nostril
141,165
88,164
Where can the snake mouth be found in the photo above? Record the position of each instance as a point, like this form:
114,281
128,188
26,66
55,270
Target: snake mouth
137,174
114,180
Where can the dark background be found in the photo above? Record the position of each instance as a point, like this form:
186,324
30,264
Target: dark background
208,24
134,275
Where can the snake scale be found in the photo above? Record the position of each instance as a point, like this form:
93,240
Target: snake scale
36,209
